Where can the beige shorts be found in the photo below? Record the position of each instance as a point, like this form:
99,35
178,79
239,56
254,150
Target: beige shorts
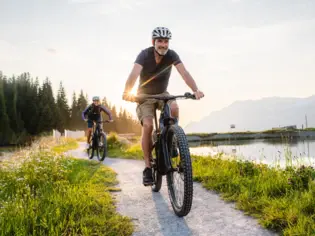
146,109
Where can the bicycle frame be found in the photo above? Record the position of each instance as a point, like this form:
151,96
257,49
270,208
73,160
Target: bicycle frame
96,131
165,120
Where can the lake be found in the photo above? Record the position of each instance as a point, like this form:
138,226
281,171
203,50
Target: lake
271,152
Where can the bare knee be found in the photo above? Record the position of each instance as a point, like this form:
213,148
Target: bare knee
147,125
174,109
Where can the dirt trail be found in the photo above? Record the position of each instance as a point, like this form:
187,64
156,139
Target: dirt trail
152,212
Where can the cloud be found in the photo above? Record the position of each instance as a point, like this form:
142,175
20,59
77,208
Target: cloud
82,1
238,40
9,52
52,50
107,7
114,7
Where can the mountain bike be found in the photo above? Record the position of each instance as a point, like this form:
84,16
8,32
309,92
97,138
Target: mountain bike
172,155
98,142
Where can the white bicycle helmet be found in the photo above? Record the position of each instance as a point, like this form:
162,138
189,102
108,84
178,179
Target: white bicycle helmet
161,32
95,98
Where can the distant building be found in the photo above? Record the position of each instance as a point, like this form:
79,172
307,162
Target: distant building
289,127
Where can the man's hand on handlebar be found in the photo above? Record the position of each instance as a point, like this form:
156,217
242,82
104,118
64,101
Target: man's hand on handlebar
198,94
128,97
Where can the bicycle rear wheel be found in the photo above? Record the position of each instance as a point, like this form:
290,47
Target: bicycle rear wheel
179,181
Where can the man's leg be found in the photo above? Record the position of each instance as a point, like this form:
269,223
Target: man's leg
146,141
89,135
146,144
145,114
89,132
174,109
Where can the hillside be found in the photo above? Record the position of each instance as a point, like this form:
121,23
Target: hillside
256,115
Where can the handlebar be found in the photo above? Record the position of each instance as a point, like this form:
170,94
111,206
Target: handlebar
103,121
141,98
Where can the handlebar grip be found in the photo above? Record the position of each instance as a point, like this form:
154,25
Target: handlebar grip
190,95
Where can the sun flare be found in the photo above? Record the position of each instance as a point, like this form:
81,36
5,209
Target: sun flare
133,91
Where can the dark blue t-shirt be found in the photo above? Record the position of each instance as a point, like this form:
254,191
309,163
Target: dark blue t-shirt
154,77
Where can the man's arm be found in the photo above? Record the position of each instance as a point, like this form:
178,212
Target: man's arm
132,78
186,77
189,80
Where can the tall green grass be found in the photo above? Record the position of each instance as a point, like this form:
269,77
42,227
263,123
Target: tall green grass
118,147
50,194
65,144
282,199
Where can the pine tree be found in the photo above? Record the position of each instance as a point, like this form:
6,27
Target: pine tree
47,108
28,108
33,107
27,103
82,104
63,110
73,112
113,126
5,131
126,123
16,123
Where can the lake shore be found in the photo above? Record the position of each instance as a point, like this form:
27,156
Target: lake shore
269,134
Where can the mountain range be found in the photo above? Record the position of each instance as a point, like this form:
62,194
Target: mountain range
257,115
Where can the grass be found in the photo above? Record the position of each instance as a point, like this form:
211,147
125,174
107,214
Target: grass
282,199
310,129
118,147
50,194
81,139
65,144
133,152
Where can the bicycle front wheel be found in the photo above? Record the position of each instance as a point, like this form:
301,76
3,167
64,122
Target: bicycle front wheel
102,147
90,150
179,181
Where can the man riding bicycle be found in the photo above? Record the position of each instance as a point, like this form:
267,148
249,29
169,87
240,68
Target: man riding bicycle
93,112
154,65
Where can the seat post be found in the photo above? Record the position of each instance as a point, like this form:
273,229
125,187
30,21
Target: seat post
155,118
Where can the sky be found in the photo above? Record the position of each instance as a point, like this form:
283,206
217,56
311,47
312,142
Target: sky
234,49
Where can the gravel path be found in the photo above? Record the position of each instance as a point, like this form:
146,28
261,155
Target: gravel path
152,212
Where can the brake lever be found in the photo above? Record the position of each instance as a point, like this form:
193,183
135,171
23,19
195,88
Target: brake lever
190,95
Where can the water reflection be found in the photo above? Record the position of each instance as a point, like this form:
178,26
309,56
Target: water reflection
269,151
